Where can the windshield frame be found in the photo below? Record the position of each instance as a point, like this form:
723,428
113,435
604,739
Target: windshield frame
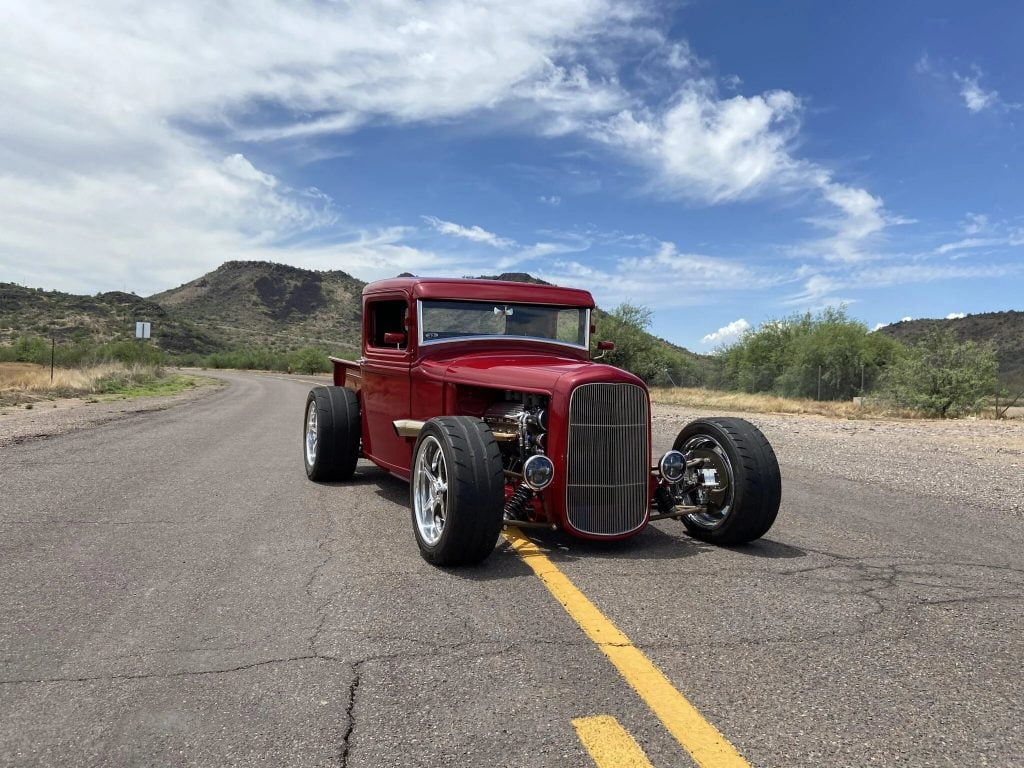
505,337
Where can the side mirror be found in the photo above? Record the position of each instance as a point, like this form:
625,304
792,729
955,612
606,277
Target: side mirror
606,346
394,337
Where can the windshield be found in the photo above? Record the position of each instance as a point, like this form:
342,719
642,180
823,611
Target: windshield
441,320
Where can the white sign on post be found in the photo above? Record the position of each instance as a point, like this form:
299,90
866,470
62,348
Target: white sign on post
142,330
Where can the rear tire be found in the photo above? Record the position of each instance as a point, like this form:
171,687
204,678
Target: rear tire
330,434
456,491
750,509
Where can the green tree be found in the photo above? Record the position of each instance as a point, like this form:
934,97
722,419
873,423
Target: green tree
827,355
309,360
943,376
637,351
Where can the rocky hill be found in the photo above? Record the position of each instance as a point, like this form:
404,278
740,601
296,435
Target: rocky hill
1005,329
102,318
240,304
249,303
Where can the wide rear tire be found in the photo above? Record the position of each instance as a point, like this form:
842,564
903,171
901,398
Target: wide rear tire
744,452
456,491
330,434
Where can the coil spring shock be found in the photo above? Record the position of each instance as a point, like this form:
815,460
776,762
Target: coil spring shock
663,499
516,507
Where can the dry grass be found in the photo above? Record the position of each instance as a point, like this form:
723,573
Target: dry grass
747,403
29,377
27,383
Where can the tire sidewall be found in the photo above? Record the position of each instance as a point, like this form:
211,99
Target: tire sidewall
739,475
432,429
312,401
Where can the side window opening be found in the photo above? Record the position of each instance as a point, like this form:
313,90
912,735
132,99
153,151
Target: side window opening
387,317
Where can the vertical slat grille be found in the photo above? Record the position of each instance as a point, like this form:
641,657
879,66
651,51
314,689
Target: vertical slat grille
608,459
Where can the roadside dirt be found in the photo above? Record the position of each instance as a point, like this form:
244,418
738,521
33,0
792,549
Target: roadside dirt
55,417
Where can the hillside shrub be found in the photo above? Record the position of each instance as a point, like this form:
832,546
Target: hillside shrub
826,355
638,352
942,376
309,360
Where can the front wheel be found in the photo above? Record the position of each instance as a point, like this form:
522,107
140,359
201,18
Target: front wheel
457,491
738,483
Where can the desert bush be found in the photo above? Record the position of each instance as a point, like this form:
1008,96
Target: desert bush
805,354
640,353
309,360
941,376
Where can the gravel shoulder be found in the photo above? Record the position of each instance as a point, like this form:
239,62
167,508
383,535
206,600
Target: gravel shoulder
975,463
58,417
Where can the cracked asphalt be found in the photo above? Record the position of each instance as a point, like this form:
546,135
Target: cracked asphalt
173,591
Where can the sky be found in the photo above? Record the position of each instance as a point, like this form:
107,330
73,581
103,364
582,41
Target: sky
723,163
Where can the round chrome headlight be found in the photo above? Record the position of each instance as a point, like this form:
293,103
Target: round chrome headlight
538,472
672,466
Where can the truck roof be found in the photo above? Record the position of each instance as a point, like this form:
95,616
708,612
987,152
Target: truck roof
469,289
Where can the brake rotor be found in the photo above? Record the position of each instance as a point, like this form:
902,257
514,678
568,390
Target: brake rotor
718,493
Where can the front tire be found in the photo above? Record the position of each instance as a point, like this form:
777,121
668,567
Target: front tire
330,434
456,491
747,505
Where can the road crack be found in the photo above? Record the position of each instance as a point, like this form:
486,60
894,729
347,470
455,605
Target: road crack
350,713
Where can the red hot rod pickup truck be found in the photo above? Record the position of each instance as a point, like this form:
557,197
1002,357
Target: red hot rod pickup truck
484,395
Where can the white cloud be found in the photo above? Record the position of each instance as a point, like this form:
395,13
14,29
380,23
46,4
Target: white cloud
664,278
877,326
707,148
956,315
717,150
906,319
474,233
727,333
975,223
820,288
975,98
983,233
130,163
553,200
114,164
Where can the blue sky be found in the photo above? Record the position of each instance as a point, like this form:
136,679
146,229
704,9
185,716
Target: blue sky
721,162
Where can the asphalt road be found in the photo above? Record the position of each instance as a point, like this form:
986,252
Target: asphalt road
173,591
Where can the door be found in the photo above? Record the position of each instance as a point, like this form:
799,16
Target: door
385,388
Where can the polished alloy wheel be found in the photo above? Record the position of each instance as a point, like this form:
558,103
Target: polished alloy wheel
311,433
430,490
716,499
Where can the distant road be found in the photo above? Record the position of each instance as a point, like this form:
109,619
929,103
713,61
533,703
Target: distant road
175,592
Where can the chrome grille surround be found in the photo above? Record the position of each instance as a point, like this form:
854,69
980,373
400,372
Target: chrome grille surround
607,459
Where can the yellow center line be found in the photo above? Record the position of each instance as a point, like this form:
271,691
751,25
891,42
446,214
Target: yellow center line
609,744
705,743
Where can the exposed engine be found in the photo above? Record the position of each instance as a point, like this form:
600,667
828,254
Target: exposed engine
520,423
524,420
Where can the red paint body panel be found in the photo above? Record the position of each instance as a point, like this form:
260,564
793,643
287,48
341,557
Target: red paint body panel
457,376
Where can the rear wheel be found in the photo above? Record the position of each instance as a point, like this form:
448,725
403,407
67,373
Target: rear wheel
456,491
738,483
330,434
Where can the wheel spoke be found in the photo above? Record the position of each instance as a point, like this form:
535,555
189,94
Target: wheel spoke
430,498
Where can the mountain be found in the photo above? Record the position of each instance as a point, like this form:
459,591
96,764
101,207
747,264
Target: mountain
250,303
239,304
1005,329
102,318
